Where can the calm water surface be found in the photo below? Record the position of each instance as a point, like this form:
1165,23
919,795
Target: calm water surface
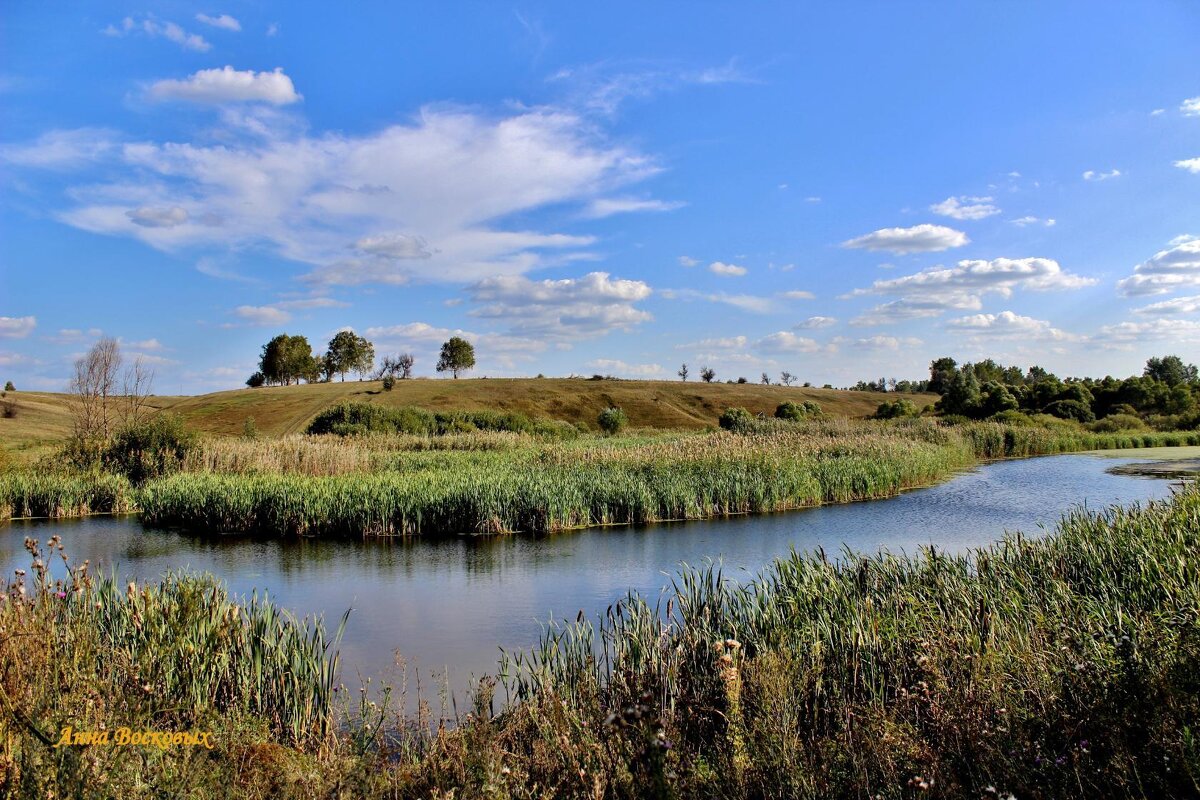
448,606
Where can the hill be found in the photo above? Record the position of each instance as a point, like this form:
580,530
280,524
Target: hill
43,417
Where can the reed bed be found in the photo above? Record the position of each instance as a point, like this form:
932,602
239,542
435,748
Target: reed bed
30,494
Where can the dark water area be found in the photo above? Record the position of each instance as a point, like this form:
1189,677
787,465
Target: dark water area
448,606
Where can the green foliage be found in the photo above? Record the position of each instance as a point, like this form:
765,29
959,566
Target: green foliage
707,374
1012,417
389,383
798,412
457,356
352,419
962,395
898,409
256,380
1118,422
995,398
1070,409
48,494
288,359
8,386
612,420
151,449
941,372
349,352
1170,370
738,420
250,429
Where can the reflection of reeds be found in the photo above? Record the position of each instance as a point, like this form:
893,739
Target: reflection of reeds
489,483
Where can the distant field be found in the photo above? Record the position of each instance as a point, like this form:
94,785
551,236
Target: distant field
43,418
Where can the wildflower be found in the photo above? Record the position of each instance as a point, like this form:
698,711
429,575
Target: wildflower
61,595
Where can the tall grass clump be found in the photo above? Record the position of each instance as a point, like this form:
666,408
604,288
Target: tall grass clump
354,419
43,494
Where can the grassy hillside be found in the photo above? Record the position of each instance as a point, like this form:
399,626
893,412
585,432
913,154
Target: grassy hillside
43,417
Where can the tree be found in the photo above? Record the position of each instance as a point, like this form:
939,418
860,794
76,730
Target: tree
287,359
399,366
457,356
256,380
612,420
961,395
941,370
766,379
1170,370
707,374
8,387
349,352
92,390
995,398
786,378
683,373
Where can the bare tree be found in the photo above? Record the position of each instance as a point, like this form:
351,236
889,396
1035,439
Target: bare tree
786,378
93,388
135,392
399,366
707,374
766,379
683,372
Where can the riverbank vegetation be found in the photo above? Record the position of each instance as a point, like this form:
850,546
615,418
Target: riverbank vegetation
1057,667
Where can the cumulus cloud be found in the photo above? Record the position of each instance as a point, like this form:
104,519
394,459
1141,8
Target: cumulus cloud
607,206
262,315
687,261
17,327
879,342
1129,334
728,270
224,21
1093,175
228,85
917,239
452,178
797,294
425,340
744,302
1190,107
909,308
1172,307
617,367
155,29
815,323
151,217
1023,221
786,342
1192,165
720,343
1008,324
965,208
977,277
570,308
1176,267
59,149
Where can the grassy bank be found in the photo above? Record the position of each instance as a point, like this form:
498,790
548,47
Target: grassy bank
366,487
1062,667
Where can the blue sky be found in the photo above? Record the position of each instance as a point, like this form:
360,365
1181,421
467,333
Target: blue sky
842,191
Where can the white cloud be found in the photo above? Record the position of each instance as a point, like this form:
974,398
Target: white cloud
815,323
909,308
1174,268
426,339
155,29
228,85
1023,221
1190,107
786,342
1166,308
618,367
224,21
13,359
812,199
273,29
979,277
151,217
722,343
917,239
889,343
965,208
60,149
262,315
604,87
17,327
144,344
607,206
1092,175
1125,334
570,308
1192,165
1007,324
728,270
687,261
450,178
394,245
745,302
798,294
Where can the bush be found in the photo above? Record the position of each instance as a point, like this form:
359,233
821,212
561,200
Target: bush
797,412
900,409
1012,417
612,420
738,420
150,449
249,429
8,386
1070,409
256,380
742,380
1117,422
389,383
356,419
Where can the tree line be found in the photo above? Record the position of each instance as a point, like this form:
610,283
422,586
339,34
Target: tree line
288,359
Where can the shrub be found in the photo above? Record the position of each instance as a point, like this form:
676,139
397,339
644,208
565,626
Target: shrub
612,420
1117,422
1070,409
738,420
256,380
249,429
8,386
742,380
354,419
797,412
389,383
150,449
899,409
1012,417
